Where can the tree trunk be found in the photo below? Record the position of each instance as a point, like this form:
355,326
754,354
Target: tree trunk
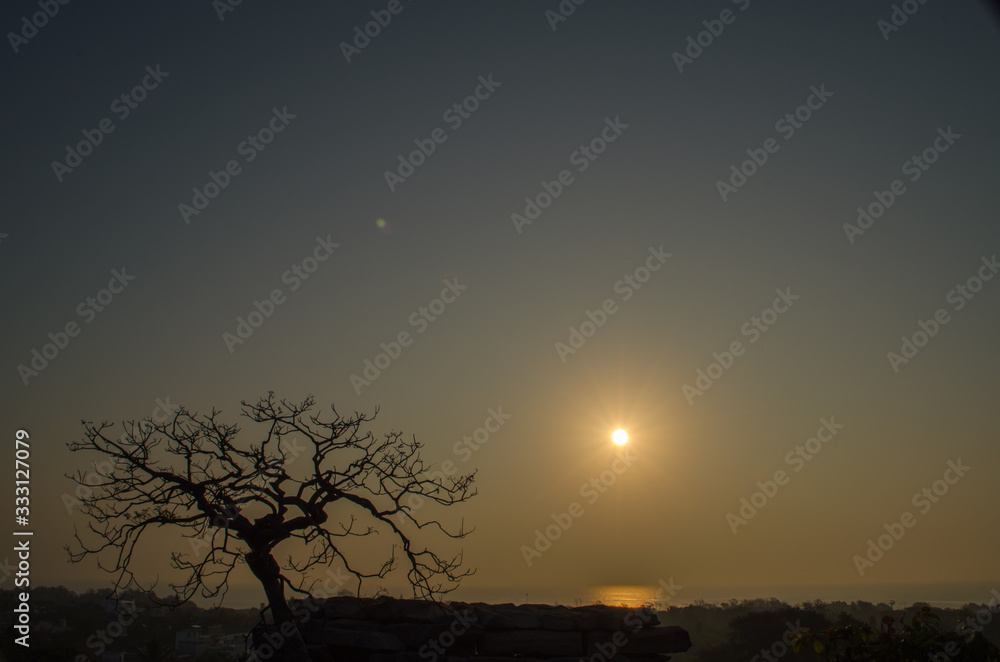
266,569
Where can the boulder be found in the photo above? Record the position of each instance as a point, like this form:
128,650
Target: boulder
348,629
346,607
663,639
540,643
396,657
508,617
409,611
367,639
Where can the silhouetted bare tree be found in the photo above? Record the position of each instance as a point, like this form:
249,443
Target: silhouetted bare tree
240,503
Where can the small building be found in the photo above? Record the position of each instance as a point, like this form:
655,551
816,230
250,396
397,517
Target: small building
232,645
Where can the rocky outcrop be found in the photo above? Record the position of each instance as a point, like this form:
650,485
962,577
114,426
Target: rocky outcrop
386,630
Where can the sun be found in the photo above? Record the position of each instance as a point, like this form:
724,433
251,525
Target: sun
620,437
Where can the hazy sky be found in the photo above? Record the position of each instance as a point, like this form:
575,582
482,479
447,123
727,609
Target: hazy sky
631,139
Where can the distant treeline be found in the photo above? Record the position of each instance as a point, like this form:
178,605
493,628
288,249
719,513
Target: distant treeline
742,629
80,627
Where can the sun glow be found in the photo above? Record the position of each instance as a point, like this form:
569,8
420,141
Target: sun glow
620,437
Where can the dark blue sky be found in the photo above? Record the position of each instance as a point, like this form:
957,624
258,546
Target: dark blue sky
323,176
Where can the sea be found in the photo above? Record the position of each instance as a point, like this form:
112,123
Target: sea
945,595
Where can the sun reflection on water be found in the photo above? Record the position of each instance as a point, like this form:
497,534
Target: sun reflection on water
623,596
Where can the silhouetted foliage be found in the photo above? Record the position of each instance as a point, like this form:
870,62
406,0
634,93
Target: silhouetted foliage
82,621
773,630
922,639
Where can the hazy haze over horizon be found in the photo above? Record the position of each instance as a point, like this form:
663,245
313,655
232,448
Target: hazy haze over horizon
687,267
